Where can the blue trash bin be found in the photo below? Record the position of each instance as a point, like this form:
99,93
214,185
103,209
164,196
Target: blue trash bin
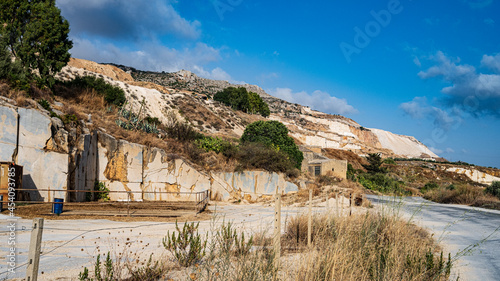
57,207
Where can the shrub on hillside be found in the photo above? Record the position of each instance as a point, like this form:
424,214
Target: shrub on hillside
382,183
259,156
429,186
494,189
274,134
214,144
112,94
241,99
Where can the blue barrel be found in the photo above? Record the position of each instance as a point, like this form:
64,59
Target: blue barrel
57,207
1,203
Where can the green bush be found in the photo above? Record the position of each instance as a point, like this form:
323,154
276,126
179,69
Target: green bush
104,194
112,94
45,104
429,186
382,183
274,134
389,161
69,118
241,99
99,274
187,246
258,156
494,189
213,144
351,172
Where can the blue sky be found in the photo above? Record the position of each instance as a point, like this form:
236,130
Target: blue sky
430,69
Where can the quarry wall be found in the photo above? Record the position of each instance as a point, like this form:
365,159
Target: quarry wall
50,162
475,175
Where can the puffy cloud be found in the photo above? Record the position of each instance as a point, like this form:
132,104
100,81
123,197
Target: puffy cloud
131,33
131,19
449,150
418,108
317,100
489,21
476,93
491,62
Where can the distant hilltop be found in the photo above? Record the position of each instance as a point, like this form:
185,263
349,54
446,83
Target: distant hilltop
186,93
187,80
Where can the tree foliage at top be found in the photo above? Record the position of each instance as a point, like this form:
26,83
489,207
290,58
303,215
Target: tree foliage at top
36,35
273,134
375,161
241,99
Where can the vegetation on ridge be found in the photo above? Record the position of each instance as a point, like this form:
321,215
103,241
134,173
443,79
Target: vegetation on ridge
241,99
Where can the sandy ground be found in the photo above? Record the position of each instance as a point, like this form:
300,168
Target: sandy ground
69,245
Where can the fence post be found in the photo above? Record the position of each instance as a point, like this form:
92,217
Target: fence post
350,204
128,203
277,229
336,203
34,251
309,221
327,204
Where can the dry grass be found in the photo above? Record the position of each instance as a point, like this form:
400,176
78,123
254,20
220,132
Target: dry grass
464,194
365,247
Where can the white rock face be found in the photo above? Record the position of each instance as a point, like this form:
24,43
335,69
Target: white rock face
402,145
475,175
42,169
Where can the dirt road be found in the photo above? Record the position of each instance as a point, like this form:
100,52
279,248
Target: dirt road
473,233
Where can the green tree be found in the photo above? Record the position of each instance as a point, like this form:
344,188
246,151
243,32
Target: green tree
273,134
375,161
241,99
37,36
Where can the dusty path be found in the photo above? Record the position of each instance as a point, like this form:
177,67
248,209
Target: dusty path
69,245
457,227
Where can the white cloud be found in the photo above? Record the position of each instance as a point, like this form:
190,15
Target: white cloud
474,92
491,62
419,109
317,100
436,150
489,21
416,61
449,150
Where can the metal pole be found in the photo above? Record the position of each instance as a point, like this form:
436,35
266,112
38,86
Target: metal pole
336,203
34,251
350,204
309,221
277,229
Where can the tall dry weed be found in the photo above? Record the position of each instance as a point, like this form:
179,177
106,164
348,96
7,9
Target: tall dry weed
370,247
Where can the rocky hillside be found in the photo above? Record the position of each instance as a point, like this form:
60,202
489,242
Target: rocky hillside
188,96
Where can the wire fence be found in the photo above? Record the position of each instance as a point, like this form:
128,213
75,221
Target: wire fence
125,200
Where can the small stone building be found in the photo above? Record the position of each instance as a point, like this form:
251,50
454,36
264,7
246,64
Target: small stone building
317,164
